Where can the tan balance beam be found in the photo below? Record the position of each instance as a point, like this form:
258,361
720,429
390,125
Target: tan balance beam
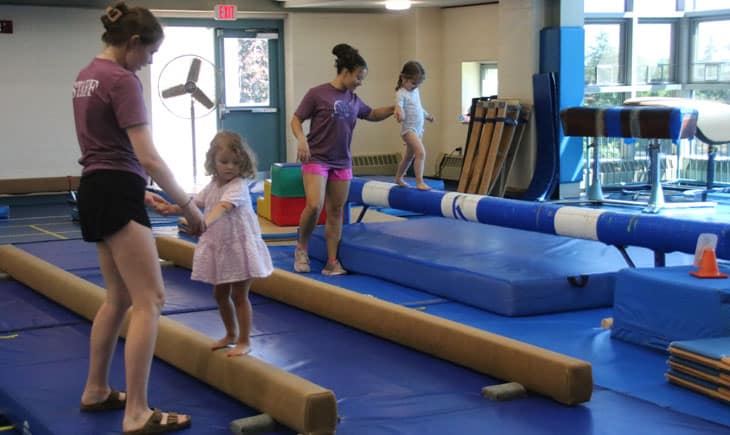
293,401
567,380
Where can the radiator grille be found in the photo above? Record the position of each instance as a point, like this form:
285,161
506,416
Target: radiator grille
450,167
375,164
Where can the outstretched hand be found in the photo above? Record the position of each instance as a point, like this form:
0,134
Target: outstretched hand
158,203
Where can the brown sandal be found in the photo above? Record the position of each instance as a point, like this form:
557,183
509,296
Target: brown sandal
154,425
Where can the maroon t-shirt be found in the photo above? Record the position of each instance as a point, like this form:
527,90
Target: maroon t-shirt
332,115
107,99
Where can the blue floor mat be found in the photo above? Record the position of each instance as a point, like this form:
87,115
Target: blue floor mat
622,367
42,374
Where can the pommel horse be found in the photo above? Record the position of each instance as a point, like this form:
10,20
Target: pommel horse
638,122
713,125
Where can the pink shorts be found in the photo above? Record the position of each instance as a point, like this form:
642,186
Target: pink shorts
327,172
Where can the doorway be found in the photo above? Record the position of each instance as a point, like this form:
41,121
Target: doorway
242,71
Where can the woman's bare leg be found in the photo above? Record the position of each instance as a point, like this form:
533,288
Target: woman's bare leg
135,256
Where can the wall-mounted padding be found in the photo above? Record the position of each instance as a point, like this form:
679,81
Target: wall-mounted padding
567,380
38,185
293,401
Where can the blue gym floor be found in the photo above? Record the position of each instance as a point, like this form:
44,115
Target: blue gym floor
382,388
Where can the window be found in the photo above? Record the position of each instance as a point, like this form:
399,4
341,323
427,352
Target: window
478,79
707,5
657,48
247,81
710,52
654,53
603,6
603,54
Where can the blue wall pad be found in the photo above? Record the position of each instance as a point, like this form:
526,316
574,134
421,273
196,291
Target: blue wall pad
503,270
42,374
653,307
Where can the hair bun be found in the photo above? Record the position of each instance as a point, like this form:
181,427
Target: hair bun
343,50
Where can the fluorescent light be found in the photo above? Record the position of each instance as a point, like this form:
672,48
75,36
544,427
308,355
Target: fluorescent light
397,5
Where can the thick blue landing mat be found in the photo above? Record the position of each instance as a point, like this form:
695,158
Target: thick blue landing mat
655,306
624,368
42,374
504,270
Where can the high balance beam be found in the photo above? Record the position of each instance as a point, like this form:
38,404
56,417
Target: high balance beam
658,233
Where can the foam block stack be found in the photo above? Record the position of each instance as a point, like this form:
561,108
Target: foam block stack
655,306
286,195
702,366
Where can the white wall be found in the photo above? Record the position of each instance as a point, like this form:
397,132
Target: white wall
470,34
309,62
41,59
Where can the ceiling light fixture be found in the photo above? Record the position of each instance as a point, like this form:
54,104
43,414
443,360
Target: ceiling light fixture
397,5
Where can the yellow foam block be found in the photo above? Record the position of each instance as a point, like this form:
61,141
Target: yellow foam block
263,207
263,204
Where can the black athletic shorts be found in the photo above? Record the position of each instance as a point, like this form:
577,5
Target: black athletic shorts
108,200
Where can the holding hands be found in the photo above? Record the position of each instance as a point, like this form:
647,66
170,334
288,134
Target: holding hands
398,113
193,216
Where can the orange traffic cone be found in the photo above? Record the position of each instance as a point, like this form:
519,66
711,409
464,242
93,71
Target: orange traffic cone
708,266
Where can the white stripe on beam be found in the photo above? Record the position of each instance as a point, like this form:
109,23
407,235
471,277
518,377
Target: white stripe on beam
461,206
577,222
376,193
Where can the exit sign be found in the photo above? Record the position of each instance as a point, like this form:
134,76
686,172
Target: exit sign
225,12
6,26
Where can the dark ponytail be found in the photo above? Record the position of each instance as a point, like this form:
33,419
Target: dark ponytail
412,70
121,22
348,58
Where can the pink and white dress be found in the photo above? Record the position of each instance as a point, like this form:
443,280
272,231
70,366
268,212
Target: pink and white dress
231,249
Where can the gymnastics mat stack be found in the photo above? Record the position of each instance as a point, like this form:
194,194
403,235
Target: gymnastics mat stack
702,366
656,306
283,199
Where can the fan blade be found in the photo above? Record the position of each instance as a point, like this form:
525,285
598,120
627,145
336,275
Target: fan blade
194,70
202,98
174,91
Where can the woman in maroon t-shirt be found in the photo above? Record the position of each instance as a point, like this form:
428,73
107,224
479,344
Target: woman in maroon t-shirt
117,154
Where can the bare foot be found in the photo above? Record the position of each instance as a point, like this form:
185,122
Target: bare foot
223,342
423,186
240,349
402,183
